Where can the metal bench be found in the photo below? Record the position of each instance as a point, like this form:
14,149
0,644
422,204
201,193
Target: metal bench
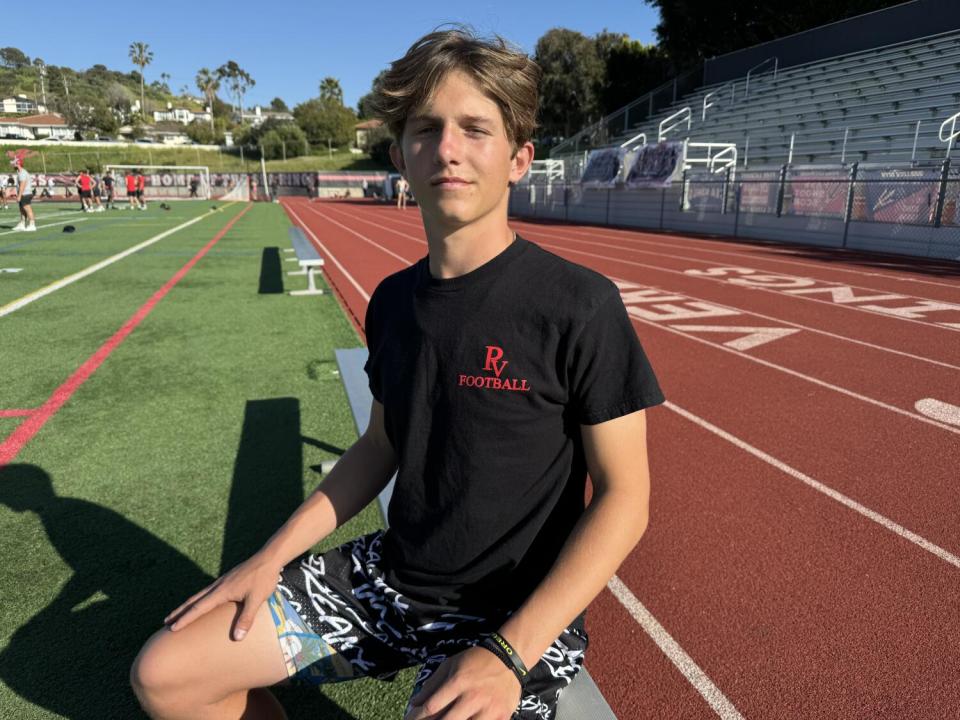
582,700
308,258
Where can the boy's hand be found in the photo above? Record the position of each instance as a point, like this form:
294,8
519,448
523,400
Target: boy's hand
472,685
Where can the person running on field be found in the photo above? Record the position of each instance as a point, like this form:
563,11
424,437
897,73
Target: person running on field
501,374
131,182
5,189
25,188
108,188
85,186
141,190
402,187
194,184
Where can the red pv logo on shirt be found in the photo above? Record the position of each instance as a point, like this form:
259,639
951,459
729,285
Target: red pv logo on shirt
493,362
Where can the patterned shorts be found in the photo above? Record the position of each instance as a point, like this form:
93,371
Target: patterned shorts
338,620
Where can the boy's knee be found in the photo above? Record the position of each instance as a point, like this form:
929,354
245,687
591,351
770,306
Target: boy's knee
155,680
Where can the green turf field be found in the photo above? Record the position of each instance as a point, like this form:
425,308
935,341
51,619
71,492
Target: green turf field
191,443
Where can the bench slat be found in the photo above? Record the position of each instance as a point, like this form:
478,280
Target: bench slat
303,247
582,699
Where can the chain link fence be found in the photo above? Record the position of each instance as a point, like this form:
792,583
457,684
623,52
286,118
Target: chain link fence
909,211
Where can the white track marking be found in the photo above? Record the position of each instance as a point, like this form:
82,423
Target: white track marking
676,654
41,227
938,410
864,309
876,517
389,252
606,232
802,376
329,255
751,337
825,333
53,287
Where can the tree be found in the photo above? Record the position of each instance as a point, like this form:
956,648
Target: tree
330,90
724,27
119,99
13,58
165,80
141,56
325,122
631,69
278,105
208,84
238,79
572,75
365,103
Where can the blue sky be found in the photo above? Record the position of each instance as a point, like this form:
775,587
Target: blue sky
289,47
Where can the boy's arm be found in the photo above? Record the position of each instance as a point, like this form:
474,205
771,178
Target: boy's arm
357,478
475,680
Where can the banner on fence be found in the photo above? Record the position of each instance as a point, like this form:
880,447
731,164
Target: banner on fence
656,166
603,167
758,192
705,191
898,196
821,193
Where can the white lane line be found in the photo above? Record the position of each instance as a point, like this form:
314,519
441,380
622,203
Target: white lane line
41,227
63,282
825,333
939,410
329,255
691,243
876,517
802,376
361,236
779,293
676,654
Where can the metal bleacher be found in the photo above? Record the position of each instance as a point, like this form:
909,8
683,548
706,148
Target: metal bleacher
884,105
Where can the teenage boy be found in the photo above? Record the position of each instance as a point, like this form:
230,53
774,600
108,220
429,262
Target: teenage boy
97,191
141,190
85,185
501,375
108,188
131,181
24,197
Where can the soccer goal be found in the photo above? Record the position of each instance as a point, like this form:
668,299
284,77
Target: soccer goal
166,182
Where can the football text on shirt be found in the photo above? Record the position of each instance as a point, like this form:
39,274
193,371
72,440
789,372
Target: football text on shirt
494,382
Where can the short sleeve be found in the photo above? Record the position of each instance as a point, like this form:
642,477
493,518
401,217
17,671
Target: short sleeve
609,374
371,328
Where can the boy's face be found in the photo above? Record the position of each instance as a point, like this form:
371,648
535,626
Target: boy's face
456,155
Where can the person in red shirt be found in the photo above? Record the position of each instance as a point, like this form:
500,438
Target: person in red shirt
141,184
131,181
85,185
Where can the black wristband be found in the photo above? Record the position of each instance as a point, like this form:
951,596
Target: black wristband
495,643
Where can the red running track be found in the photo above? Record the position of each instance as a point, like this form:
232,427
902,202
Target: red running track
803,554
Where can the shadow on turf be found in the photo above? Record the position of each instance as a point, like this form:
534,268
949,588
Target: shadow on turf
73,656
271,274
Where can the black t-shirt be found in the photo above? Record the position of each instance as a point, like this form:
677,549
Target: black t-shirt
485,380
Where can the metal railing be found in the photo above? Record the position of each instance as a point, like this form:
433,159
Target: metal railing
629,144
679,116
776,63
633,113
733,87
952,122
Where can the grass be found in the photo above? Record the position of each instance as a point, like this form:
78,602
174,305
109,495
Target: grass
178,457
63,157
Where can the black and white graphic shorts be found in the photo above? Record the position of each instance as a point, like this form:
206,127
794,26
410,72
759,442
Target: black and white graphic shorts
338,620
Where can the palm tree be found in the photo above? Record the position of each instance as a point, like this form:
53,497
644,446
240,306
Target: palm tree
240,82
165,79
141,56
330,90
208,83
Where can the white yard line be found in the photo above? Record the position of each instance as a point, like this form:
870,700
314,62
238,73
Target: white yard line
63,282
41,227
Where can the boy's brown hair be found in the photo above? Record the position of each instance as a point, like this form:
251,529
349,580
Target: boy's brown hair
505,74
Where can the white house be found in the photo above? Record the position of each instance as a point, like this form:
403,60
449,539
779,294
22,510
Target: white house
260,116
37,127
20,104
180,115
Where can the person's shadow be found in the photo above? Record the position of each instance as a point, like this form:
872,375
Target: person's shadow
73,656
